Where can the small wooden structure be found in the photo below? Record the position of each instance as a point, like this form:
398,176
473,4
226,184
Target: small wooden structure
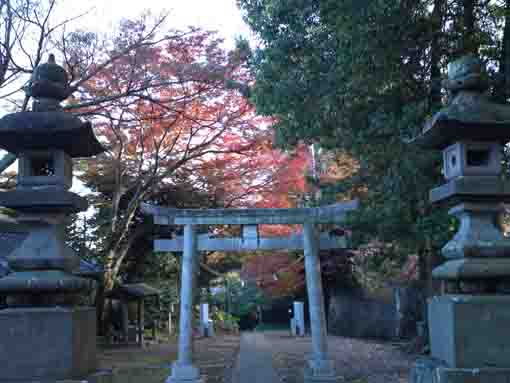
135,292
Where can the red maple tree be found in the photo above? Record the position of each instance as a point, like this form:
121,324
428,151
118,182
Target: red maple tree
183,115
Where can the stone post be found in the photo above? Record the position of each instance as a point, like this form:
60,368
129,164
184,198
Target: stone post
141,322
205,326
293,326
125,319
183,370
319,369
299,317
155,327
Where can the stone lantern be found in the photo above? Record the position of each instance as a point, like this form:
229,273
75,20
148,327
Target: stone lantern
44,334
469,324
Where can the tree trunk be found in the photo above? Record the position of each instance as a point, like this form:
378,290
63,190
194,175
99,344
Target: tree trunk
100,308
502,88
436,54
470,43
428,259
112,268
327,302
115,259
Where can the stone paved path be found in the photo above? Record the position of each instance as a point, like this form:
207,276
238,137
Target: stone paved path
255,361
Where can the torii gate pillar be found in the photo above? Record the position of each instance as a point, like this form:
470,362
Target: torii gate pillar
319,368
183,369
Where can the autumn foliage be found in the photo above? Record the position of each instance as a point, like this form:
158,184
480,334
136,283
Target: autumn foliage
282,275
172,113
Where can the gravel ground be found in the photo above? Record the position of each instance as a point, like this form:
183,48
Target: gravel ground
214,356
356,360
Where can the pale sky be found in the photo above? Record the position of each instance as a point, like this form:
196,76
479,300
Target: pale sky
220,15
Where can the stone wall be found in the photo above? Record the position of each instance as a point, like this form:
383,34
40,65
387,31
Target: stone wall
357,314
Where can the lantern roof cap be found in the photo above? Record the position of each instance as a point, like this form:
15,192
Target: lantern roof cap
58,130
47,126
470,115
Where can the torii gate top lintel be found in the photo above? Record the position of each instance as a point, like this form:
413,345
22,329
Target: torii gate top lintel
249,219
325,214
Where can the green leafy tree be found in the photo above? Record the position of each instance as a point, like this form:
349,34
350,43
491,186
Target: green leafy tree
361,77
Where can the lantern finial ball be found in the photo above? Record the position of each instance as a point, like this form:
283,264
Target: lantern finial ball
467,73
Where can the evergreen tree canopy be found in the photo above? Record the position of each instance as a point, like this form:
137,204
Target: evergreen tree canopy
362,77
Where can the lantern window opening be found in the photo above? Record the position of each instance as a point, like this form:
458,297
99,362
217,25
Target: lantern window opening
42,166
478,157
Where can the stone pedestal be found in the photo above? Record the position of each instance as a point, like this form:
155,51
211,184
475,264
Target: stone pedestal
470,331
98,377
469,339
429,370
320,371
47,343
184,373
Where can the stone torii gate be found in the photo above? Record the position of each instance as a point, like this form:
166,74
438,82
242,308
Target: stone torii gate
319,367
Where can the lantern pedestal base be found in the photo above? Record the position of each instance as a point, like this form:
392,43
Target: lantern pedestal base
98,377
47,344
433,371
470,331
